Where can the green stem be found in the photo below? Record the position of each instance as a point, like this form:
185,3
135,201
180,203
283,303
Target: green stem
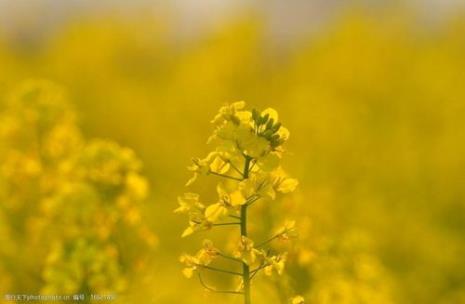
225,176
270,239
245,267
226,224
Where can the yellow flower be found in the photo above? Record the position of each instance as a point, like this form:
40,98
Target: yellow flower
245,251
269,162
208,253
215,212
283,183
283,134
137,185
213,163
230,199
258,184
298,300
189,202
190,263
202,258
199,167
218,165
288,231
252,145
272,114
276,263
287,185
199,223
230,112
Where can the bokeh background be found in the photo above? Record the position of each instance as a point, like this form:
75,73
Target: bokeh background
373,94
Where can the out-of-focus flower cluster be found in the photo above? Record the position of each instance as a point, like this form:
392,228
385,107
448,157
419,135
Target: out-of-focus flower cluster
67,199
342,270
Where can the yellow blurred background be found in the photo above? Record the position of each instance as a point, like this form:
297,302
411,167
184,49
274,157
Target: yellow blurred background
373,96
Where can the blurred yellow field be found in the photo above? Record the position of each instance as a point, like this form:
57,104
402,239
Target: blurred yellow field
101,116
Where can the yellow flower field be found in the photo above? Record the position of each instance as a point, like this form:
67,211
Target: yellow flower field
361,175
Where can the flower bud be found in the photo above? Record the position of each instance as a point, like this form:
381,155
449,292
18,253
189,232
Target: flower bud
276,127
269,125
265,118
255,115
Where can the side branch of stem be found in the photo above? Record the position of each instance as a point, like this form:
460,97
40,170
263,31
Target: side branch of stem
225,176
257,270
214,290
229,257
270,239
219,270
227,224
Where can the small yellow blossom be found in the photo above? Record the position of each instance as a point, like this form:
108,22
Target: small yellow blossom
245,251
276,263
189,202
298,300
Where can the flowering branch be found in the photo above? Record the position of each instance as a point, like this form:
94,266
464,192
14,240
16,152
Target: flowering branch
255,140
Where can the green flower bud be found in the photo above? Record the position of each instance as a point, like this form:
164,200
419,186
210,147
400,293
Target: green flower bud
269,125
275,137
255,115
276,127
267,134
265,118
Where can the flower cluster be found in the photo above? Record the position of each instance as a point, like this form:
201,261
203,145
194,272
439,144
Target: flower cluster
67,197
246,159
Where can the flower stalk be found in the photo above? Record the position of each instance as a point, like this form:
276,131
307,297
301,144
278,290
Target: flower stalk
253,141
245,266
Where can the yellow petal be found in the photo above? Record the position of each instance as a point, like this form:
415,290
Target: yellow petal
269,162
280,267
244,116
283,133
188,231
137,184
254,146
271,112
192,180
236,198
288,185
268,191
268,270
219,166
215,211
238,105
